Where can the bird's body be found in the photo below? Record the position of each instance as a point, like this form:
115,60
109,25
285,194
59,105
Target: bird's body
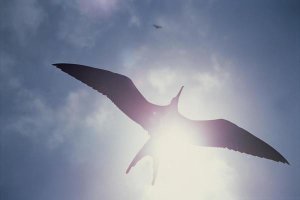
157,26
160,120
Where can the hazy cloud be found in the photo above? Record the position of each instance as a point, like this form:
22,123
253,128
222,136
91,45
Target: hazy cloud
23,18
62,140
42,122
79,32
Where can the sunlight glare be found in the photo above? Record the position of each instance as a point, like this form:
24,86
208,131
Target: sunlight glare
189,172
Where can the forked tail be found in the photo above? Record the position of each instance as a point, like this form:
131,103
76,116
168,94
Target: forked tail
147,150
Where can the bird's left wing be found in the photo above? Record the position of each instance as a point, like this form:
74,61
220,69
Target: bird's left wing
223,133
118,88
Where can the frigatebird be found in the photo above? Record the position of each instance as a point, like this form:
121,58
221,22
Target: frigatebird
157,26
154,118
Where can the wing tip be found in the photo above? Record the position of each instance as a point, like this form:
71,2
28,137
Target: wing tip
284,161
64,66
281,159
60,65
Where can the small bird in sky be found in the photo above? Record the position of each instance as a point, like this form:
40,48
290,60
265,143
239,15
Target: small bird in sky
157,26
155,118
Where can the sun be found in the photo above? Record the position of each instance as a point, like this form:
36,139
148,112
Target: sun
189,172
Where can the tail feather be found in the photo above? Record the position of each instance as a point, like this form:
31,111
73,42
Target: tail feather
146,150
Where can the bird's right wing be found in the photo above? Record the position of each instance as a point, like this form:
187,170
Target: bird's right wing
223,133
118,88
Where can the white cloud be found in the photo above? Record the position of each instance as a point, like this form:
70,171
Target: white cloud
5,63
162,79
214,79
86,20
80,112
159,71
101,8
91,8
79,31
134,21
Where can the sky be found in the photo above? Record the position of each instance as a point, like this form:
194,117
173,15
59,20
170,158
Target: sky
238,60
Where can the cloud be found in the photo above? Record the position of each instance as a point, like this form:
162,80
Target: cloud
80,32
22,18
134,21
159,71
101,8
162,79
6,62
87,20
214,79
91,142
33,117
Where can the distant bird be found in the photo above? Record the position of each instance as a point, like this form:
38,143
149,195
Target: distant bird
157,26
153,118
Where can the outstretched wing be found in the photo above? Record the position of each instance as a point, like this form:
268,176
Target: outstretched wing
222,133
118,88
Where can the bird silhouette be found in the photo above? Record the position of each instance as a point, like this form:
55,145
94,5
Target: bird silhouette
157,26
153,118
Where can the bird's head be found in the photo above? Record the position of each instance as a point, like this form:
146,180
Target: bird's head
175,100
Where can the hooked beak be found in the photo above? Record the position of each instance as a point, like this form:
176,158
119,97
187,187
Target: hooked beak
179,92
176,98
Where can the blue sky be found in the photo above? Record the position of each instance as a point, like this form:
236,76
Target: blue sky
238,60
